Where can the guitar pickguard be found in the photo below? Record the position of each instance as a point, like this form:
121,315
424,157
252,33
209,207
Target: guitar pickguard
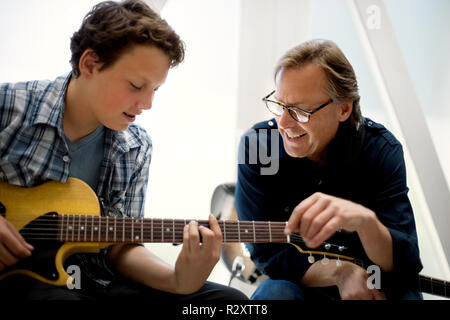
42,259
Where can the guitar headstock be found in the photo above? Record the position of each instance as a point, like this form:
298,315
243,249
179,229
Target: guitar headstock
326,250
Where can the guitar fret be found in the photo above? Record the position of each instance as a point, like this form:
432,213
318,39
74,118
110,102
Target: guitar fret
173,230
254,233
79,223
85,227
61,229
239,231
270,233
92,229
99,227
115,229
132,228
68,228
123,229
135,238
142,229
151,229
73,228
80,227
107,222
162,230
224,232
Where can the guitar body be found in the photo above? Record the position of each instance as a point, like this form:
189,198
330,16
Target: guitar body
29,208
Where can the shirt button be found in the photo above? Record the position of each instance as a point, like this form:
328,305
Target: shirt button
370,123
320,182
119,205
270,123
286,209
66,158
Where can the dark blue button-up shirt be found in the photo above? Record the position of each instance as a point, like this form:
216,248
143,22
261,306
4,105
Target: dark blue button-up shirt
365,166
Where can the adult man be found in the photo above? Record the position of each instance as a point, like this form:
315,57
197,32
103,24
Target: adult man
81,125
337,170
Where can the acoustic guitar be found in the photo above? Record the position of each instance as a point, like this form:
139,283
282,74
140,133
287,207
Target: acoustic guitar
61,219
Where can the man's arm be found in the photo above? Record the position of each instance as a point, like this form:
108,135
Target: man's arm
387,230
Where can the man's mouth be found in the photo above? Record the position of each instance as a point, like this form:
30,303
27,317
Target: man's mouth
292,136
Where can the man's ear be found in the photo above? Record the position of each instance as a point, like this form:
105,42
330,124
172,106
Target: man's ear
345,110
89,63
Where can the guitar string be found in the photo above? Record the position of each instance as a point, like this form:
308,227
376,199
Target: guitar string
233,228
255,227
157,237
276,228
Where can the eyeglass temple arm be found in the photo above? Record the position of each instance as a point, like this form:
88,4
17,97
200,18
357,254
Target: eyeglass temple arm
265,98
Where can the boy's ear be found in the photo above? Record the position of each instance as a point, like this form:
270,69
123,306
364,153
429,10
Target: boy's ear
345,110
89,63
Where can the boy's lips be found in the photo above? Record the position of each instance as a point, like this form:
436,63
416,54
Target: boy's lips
130,117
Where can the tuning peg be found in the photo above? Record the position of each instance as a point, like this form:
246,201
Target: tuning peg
311,259
341,248
327,246
325,260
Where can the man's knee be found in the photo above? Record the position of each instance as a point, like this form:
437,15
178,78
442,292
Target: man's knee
272,289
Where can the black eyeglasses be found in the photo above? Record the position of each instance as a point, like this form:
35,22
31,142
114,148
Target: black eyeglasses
297,114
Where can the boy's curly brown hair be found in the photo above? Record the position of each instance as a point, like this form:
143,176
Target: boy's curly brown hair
112,28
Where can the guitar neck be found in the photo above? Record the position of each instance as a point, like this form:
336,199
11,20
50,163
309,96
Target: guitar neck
434,286
85,228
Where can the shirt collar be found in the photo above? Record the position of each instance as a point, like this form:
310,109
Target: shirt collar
123,141
52,102
346,146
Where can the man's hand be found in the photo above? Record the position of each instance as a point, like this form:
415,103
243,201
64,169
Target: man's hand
351,281
196,260
319,216
13,247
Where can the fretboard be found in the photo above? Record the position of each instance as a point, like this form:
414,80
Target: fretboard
86,228
434,286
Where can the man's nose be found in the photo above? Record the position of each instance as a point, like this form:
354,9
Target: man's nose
285,120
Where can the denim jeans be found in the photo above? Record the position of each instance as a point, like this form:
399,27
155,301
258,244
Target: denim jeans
272,289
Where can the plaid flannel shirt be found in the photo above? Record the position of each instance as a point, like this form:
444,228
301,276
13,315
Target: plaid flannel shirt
33,150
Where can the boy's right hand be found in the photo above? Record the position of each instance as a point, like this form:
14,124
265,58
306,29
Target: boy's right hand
13,246
196,260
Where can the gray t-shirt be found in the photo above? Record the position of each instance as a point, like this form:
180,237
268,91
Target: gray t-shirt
86,157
